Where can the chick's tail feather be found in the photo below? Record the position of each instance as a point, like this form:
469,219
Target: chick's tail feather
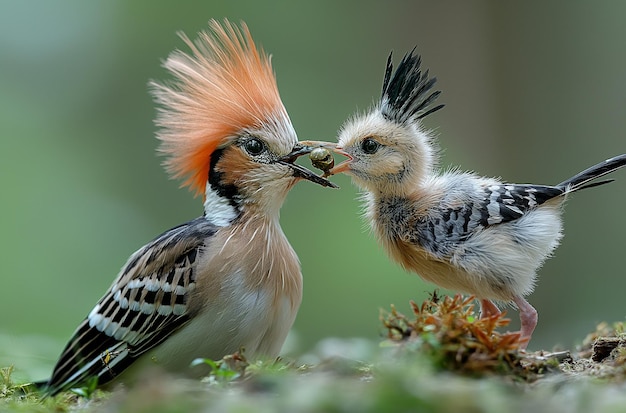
583,179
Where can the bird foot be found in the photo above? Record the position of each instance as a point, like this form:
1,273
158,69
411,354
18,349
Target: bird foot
528,318
488,309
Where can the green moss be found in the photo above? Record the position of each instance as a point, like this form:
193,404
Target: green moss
441,358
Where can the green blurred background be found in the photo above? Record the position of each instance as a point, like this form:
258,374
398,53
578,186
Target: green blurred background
534,92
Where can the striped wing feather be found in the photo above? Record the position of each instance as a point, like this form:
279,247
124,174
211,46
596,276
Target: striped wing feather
146,304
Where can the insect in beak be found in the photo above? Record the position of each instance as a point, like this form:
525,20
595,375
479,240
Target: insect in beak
301,149
322,159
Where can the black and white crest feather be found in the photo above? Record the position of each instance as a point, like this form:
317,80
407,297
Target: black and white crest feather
407,93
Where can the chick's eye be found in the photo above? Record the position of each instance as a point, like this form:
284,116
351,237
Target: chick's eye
254,146
370,146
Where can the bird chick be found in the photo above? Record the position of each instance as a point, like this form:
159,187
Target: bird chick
228,279
458,230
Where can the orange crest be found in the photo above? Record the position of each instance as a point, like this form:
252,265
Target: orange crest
225,86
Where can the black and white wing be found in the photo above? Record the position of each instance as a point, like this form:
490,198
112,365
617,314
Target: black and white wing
146,304
444,229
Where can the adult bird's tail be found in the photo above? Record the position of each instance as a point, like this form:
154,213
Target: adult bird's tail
583,179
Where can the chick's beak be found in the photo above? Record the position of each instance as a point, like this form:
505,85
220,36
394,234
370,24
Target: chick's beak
343,166
300,171
318,144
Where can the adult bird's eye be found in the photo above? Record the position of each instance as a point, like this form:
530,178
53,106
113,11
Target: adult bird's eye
254,146
370,146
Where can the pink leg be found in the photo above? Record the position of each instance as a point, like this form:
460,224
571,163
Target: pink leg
488,308
528,318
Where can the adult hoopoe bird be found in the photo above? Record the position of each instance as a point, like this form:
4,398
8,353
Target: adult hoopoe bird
228,279
458,230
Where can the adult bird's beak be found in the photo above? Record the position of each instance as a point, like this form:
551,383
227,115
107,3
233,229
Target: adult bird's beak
342,167
300,171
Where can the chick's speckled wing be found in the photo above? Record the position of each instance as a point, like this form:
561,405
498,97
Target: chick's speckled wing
146,304
444,229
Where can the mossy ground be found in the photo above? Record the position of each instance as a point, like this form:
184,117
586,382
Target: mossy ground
440,358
